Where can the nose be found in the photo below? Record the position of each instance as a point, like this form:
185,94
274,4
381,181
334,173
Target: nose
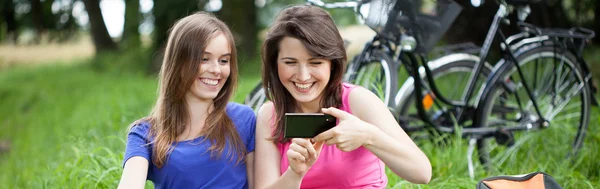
214,67
303,73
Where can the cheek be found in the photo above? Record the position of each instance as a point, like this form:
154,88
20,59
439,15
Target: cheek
325,72
201,68
283,72
226,70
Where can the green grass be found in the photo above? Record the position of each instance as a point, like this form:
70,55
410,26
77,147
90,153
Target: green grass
67,124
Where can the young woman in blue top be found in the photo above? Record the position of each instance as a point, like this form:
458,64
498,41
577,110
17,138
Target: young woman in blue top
194,138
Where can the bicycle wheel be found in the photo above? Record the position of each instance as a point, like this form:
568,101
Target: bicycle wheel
562,96
451,75
375,75
256,98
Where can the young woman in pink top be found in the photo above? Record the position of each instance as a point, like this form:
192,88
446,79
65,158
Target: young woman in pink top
303,63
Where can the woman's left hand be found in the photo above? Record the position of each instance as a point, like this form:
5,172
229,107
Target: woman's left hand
350,133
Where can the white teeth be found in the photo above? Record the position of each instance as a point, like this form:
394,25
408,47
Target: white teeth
210,81
303,86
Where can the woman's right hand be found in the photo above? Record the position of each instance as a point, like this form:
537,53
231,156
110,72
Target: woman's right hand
303,154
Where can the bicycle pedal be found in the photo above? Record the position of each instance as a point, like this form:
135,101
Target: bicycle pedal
504,137
509,86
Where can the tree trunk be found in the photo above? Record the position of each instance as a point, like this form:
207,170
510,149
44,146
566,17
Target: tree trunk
37,19
240,16
131,35
165,15
102,40
8,14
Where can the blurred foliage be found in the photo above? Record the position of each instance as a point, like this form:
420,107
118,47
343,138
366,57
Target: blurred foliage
267,14
54,21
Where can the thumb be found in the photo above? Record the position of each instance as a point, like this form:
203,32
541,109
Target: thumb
335,113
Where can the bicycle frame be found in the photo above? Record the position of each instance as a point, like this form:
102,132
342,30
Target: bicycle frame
411,64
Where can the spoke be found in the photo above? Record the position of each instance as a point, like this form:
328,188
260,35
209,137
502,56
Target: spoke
545,79
558,73
570,94
566,117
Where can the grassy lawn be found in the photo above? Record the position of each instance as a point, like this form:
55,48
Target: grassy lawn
66,127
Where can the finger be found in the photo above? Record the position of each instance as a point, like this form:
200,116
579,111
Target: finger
300,149
331,141
306,143
325,135
308,146
342,147
335,113
295,156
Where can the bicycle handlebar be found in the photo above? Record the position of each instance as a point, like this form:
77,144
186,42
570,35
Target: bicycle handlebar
348,4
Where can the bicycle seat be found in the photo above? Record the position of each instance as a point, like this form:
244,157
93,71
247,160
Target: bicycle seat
521,2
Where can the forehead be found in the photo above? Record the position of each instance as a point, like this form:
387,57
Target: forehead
218,45
292,47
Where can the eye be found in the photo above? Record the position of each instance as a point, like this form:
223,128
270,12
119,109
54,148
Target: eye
316,63
289,62
205,59
224,61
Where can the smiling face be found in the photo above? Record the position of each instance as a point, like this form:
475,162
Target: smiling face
213,71
304,76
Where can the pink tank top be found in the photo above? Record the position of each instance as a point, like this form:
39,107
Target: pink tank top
338,169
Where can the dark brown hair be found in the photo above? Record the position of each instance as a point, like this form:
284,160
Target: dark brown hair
316,30
187,40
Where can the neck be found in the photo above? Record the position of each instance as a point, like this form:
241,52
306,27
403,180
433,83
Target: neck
198,112
310,107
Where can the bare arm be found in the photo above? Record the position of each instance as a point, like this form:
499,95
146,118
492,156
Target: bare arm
270,159
134,173
250,169
388,141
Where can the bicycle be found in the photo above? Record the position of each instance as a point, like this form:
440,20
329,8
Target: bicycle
479,117
510,100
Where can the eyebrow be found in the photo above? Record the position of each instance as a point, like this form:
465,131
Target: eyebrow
227,54
290,58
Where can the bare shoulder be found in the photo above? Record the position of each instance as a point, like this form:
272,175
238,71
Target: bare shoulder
360,97
264,114
365,104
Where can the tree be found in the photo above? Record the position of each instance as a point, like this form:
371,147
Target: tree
102,40
37,19
131,35
165,14
240,16
8,18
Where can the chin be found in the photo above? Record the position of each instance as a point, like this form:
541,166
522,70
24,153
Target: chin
304,98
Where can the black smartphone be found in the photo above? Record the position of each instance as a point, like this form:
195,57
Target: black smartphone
307,125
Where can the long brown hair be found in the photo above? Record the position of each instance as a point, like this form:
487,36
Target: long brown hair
316,30
187,40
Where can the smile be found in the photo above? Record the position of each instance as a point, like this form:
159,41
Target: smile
304,86
212,82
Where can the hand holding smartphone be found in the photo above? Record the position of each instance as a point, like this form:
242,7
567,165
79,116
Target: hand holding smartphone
307,125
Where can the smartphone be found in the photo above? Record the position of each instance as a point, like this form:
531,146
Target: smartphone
307,125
